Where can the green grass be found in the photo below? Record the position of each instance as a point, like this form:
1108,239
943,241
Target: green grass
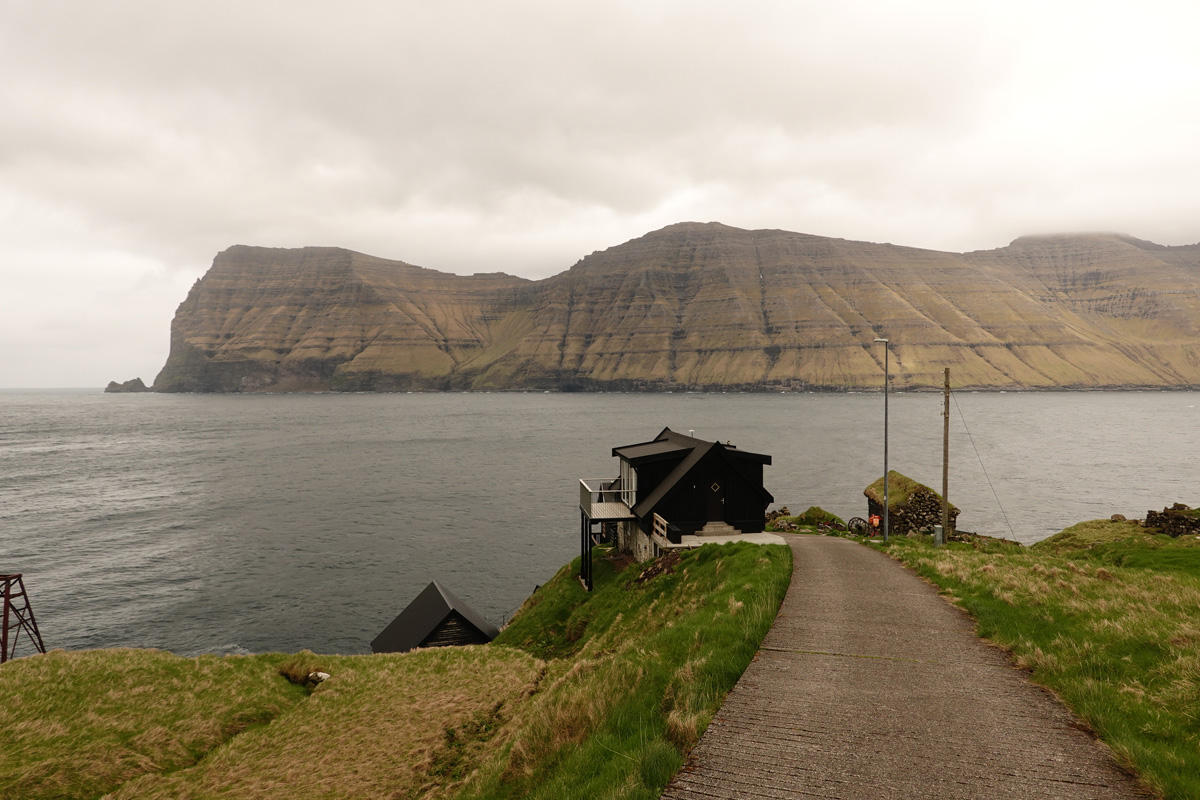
1125,544
382,726
808,522
583,695
900,487
1105,614
815,515
634,672
81,724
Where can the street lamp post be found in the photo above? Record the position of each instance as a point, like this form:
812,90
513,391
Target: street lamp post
885,437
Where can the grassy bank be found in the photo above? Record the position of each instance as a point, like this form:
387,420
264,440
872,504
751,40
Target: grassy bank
81,724
634,673
375,729
583,695
1107,616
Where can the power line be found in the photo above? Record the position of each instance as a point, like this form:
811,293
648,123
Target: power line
981,466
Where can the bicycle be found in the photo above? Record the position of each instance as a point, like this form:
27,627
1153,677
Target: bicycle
860,527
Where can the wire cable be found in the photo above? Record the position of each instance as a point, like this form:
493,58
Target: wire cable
981,466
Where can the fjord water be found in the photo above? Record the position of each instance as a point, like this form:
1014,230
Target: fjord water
234,523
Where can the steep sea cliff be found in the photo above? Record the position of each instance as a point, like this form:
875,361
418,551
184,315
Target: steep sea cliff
699,306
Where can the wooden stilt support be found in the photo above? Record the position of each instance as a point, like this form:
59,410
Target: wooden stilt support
18,616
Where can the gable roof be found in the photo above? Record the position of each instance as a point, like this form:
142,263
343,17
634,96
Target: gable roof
647,450
669,443
422,616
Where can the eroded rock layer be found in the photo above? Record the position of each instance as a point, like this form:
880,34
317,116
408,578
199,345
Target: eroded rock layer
700,306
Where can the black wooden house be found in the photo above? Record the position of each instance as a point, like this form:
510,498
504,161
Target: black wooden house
436,618
673,491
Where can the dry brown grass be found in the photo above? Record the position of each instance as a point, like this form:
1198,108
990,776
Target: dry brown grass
385,726
613,689
80,724
300,668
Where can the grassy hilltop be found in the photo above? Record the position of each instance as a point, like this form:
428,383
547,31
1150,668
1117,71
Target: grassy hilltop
1106,615
581,696
600,695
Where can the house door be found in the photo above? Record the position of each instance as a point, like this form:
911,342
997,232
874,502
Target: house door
715,505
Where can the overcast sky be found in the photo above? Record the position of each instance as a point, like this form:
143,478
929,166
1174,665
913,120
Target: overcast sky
139,138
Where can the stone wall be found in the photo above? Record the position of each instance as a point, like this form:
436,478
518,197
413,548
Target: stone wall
918,515
632,540
920,510
1178,520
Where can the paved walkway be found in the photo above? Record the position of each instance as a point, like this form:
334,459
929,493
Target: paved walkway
869,685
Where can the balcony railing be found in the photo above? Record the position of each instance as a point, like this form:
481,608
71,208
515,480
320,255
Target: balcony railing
600,500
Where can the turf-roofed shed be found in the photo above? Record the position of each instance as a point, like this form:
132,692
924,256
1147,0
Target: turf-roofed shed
436,618
912,506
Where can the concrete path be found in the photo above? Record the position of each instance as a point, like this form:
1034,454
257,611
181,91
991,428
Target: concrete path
871,686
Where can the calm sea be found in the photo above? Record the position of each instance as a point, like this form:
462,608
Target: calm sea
248,523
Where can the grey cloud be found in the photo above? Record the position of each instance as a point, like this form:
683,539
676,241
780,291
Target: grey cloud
519,136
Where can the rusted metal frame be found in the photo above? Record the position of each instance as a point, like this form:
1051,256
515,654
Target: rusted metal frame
24,618
4,633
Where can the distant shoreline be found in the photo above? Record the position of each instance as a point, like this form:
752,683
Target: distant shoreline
909,390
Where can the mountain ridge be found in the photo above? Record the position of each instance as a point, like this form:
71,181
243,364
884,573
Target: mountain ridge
700,306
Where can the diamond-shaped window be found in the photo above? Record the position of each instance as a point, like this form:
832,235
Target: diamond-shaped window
716,487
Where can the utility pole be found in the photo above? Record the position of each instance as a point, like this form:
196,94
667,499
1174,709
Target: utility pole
946,462
885,437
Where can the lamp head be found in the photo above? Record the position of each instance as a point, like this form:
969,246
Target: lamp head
885,341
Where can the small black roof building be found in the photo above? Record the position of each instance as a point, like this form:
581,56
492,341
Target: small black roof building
436,618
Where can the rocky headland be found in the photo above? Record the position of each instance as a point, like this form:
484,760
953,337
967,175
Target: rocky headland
135,385
700,306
